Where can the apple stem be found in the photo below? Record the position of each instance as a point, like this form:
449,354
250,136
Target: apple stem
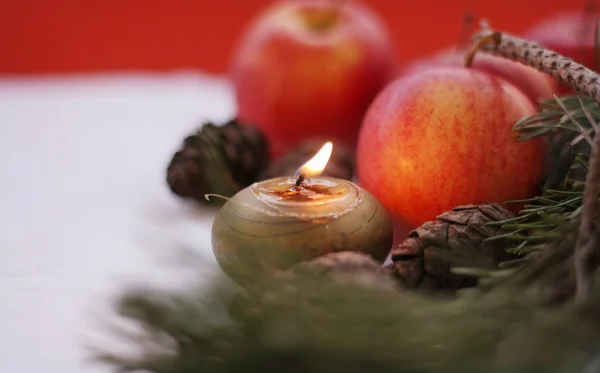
586,81
327,18
534,55
492,38
468,20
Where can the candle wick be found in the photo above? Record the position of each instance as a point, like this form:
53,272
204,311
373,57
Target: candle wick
299,180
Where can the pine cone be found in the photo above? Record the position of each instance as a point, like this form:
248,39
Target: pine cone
341,163
218,159
454,239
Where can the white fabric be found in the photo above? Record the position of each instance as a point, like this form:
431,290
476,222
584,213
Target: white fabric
84,204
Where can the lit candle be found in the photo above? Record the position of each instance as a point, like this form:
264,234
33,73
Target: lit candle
274,224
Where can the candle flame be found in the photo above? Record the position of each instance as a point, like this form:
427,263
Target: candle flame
316,164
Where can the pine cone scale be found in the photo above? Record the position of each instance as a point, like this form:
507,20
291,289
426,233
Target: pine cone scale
408,249
436,262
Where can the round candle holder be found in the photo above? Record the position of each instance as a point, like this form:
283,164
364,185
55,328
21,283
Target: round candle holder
274,224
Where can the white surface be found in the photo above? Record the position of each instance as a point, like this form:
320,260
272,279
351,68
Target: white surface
84,203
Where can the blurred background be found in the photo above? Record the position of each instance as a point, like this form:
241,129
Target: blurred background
74,36
85,205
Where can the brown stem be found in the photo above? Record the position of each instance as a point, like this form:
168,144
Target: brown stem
534,55
493,38
325,19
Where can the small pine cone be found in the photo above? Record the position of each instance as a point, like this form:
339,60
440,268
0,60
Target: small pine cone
217,159
454,239
341,163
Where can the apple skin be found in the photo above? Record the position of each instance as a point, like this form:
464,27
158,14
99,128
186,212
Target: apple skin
536,85
569,33
442,138
294,81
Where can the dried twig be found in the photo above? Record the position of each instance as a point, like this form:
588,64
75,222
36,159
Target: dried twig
534,55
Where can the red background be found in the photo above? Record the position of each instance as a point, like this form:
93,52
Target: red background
62,36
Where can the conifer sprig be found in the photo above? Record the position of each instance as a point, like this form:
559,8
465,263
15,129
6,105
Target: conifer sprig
570,190
564,122
309,324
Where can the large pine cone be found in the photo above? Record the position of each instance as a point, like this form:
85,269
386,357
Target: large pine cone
341,164
455,239
218,159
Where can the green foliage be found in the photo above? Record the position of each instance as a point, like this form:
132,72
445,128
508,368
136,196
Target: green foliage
314,325
564,122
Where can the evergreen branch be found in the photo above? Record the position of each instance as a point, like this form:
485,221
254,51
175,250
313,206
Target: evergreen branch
584,132
586,251
555,122
310,324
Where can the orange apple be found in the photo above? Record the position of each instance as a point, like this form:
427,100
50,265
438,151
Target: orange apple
444,137
310,68
534,84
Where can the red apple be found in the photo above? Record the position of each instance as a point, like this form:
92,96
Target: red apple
444,137
310,68
534,84
570,34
